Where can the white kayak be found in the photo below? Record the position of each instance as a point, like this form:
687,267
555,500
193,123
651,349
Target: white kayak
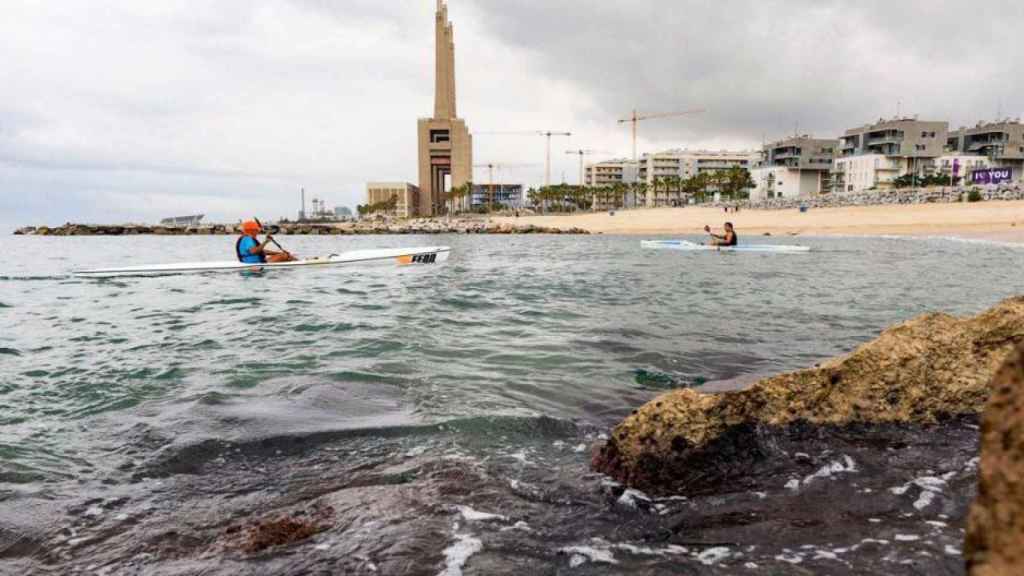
686,245
401,256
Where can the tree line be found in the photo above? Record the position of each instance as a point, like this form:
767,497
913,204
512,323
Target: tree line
732,184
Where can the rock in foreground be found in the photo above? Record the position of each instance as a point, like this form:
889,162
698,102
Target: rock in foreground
920,373
995,535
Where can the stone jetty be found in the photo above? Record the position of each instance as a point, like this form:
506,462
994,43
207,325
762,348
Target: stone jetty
918,374
419,226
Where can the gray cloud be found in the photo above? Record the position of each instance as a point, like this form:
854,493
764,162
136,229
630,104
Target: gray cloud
138,110
761,67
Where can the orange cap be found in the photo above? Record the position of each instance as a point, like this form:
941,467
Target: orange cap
250,228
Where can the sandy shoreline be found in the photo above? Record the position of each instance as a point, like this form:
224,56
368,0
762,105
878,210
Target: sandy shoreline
1002,221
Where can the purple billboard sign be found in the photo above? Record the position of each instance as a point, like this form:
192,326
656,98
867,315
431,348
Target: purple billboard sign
992,176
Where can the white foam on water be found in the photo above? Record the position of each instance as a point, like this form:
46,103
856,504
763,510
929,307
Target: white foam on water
580,448
936,523
458,554
558,444
952,550
790,557
874,541
825,555
875,520
472,515
793,484
906,537
631,498
590,554
924,500
831,469
713,556
750,565
522,526
670,550
930,486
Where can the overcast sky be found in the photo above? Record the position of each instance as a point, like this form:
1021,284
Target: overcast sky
115,111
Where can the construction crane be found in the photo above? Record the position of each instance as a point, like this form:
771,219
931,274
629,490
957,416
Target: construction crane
546,133
581,153
636,117
490,169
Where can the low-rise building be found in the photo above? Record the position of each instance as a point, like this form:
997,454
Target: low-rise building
405,195
960,165
874,155
510,195
1001,143
610,172
796,167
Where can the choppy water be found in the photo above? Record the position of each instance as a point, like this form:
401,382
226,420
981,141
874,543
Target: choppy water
141,417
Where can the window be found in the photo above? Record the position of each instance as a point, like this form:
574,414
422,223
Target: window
437,136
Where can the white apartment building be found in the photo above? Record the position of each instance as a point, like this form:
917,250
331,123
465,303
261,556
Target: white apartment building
872,156
796,167
1000,143
964,164
685,164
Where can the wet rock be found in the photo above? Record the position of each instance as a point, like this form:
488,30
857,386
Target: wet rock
922,372
280,531
995,533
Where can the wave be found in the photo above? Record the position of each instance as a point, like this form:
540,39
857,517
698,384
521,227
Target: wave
191,458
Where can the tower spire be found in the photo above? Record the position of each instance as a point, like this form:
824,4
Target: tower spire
444,83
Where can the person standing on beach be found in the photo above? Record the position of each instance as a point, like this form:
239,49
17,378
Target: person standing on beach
728,239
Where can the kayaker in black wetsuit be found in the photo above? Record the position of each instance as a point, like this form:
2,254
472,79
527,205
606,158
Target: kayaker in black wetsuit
728,239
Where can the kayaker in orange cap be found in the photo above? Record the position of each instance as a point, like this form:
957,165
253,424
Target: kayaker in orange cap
250,250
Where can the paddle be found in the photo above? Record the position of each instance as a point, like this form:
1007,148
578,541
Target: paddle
271,238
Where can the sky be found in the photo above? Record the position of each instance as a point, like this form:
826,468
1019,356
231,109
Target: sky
127,111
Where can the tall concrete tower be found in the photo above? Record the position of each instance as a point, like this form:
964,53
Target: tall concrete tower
445,145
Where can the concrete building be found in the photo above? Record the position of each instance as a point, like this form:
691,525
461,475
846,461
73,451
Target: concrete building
445,144
408,197
796,167
510,195
960,164
1001,143
685,164
874,155
610,172
689,163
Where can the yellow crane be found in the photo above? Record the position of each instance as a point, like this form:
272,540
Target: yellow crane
546,133
637,117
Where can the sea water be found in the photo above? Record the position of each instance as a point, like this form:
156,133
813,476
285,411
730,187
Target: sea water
444,413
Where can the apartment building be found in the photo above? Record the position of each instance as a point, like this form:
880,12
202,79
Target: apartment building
610,172
795,167
407,197
872,156
685,164
1001,144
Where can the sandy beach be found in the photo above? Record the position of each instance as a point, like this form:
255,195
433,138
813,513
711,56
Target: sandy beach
1003,221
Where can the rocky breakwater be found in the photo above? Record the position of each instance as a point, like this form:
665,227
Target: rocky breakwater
888,197
995,534
421,226
923,372
865,464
